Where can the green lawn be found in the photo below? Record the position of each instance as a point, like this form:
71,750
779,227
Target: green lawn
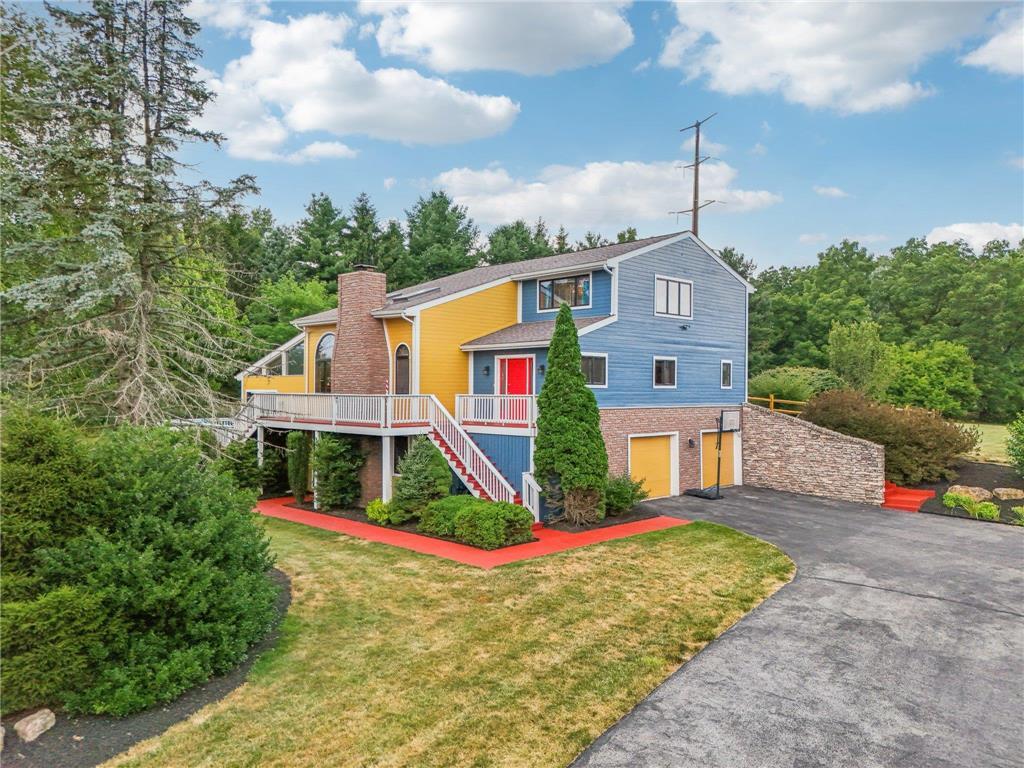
390,658
992,448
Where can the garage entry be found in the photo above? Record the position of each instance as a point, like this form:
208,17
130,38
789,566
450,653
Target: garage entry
709,458
655,459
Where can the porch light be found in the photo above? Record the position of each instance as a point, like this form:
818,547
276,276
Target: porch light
487,370
541,369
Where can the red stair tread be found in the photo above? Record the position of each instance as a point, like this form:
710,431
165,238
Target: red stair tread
905,499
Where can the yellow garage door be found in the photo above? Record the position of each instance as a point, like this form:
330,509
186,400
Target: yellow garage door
650,458
709,459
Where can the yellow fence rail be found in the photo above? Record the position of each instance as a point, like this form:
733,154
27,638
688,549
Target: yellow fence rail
772,403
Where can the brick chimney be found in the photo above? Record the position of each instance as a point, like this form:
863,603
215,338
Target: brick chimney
360,365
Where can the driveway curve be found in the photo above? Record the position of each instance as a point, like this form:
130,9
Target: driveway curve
900,642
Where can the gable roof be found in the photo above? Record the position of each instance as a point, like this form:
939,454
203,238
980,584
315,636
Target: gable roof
534,334
407,298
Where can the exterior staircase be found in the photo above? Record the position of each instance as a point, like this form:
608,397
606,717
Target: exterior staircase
469,478
904,499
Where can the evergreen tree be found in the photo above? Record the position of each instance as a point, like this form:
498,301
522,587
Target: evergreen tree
569,454
319,241
442,241
516,242
628,235
591,240
362,242
271,313
111,272
743,266
392,254
562,244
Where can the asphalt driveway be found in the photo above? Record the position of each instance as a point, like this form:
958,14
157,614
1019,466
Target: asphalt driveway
899,643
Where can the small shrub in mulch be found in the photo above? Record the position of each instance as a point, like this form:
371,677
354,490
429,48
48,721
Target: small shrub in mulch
978,475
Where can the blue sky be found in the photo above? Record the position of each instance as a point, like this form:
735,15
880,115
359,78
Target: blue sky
876,121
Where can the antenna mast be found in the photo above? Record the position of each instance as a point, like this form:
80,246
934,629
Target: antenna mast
697,161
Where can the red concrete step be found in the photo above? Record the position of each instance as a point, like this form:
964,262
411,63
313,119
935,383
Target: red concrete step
905,499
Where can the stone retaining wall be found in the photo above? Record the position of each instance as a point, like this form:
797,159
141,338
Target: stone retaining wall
789,454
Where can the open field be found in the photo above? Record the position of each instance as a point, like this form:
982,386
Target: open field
992,448
391,658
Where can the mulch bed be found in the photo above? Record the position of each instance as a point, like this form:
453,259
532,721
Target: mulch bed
410,526
88,740
976,474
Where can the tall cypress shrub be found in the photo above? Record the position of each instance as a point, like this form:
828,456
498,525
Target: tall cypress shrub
569,454
298,464
337,461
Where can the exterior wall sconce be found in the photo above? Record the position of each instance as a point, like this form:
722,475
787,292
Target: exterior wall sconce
692,442
487,370
541,369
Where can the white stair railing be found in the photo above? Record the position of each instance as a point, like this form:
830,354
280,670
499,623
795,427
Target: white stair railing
501,410
531,495
468,452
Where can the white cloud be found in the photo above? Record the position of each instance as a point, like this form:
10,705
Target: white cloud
531,39
298,78
813,238
869,238
1017,162
321,150
1004,52
233,17
389,182
977,234
829,191
601,195
642,66
367,30
706,146
759,149
853,57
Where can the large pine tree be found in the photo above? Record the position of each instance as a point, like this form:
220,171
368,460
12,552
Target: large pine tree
569,454
130,312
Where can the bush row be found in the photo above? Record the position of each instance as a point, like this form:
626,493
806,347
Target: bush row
479,523
920,446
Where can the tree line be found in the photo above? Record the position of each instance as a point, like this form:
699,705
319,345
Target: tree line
133,291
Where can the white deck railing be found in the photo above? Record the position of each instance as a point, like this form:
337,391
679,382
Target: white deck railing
497,410
385,412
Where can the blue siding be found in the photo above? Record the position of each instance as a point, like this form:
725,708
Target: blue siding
716,332
483,384
600,299
509,453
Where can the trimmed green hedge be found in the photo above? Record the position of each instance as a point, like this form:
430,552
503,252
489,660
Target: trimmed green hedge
479,523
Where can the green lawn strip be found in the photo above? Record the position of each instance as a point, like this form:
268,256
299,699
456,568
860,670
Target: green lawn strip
992,448
392,658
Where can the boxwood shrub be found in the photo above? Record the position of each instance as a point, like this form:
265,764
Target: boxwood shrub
920,446
622,494
139,573
479,523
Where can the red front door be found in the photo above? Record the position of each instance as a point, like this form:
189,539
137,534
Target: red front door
516,376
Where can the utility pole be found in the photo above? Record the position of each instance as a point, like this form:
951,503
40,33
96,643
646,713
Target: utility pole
697,161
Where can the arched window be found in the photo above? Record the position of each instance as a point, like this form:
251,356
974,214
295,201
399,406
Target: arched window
322,364
401,370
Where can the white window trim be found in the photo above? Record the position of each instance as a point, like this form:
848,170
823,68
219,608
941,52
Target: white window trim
606,372
675,378
588,305
668,314
721,369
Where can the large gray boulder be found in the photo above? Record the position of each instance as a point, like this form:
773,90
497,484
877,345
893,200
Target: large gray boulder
31,727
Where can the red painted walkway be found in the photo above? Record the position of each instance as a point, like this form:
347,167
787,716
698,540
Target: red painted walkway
905,499
550,541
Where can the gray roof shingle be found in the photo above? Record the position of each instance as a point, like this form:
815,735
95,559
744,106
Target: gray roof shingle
538,332
407,298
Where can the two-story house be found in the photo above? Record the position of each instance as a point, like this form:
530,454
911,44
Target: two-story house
663,330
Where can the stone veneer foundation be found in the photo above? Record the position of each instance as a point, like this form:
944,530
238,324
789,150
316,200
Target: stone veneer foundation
789,454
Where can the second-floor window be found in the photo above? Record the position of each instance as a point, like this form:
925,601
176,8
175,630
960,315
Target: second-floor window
727,374
664,372
673,297
574,291
595,370
295,360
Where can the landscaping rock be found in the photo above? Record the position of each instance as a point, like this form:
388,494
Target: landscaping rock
1007,494
33,726
977,494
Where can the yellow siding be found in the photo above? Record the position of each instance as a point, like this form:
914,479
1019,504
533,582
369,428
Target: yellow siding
709,458
313,335
444,368
282,384
399,331
650,460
